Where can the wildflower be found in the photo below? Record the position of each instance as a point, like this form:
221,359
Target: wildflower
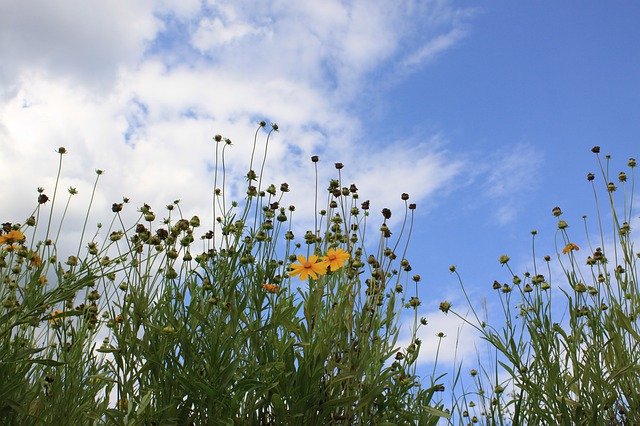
55,319
35,259
309,267
336,258
271,288
570,247
13,236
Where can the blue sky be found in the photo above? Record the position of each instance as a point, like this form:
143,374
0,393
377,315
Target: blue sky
484,112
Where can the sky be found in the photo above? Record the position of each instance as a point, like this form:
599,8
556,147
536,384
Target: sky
484,112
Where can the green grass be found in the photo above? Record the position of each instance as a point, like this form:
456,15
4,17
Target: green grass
163,322
567,343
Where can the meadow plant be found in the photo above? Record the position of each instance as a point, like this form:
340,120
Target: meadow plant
567,347
162,322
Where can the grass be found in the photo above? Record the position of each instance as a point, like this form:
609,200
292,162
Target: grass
567,343
163,321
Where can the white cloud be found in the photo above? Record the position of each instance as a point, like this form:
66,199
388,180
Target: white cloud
87,41
102,80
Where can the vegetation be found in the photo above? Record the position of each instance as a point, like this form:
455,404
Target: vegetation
569,352
162,322
158,322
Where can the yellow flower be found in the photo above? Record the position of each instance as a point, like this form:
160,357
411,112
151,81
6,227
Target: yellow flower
336,258
271,288
35,259
54,321
309,268
570,247
13,236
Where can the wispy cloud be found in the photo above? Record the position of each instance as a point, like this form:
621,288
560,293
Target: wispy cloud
140,89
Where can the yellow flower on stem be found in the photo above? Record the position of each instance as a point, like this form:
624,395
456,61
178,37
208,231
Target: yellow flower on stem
55,320
570,247
336,258
271,288
311,267
13,236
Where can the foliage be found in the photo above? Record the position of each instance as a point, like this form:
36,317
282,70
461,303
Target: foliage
569,353
157,322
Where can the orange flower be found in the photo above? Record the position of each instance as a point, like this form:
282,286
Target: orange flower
35,259
336,258
54,321
13,236
570,247
309,268
271,288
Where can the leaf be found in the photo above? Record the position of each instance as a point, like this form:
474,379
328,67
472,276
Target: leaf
49,362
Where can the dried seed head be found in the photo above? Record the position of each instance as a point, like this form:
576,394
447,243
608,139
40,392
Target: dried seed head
622,177
445,306
315,158
590,177
595,149
404,196
632,162
386,213
556,211
42,198
339,166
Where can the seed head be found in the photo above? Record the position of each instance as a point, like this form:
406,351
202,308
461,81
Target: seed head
386,213
595,149
315,158
632,162
339,166
217,138
590,177
445,306
556,211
